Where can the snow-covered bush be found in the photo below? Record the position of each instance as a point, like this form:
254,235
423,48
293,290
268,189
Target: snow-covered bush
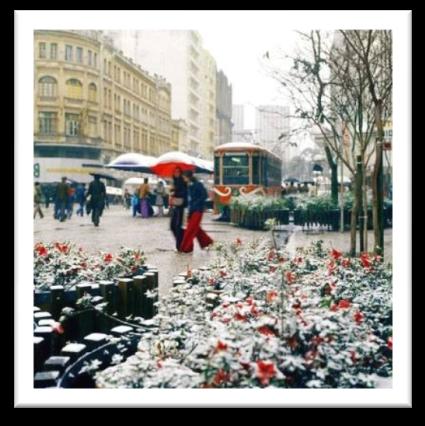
259,318
66,264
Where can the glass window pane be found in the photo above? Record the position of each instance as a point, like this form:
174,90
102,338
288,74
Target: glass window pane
42,50
68,53
53,51
235,169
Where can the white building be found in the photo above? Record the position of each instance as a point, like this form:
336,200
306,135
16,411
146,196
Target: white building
238,120
178,55
272,130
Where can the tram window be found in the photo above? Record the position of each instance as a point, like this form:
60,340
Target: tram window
217,170
255,170
235,169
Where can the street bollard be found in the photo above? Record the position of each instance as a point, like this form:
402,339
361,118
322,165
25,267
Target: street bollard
140,287
40,352
150,279
46,379
94,340
125,297
57,363
107,291
57,297
47,334
82,289
73,350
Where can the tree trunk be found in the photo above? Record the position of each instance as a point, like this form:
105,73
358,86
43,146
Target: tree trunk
333,166
359,196
378,187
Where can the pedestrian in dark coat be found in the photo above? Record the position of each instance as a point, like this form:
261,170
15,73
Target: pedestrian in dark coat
97,193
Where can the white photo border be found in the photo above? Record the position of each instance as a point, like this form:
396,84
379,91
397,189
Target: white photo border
28,21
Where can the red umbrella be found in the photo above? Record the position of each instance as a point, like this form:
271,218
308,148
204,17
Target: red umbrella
166,164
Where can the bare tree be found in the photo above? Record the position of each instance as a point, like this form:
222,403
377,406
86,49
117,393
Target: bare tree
374,49
328,87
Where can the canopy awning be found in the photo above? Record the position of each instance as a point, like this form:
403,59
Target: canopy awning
133,162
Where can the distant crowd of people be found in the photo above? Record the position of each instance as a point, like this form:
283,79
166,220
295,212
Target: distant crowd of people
66,196
185,192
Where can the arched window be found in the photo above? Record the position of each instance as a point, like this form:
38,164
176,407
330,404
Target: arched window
74,89
48,86
92,92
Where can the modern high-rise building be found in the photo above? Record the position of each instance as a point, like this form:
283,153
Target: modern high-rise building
92,103
272,129
223,109
238,117
179,56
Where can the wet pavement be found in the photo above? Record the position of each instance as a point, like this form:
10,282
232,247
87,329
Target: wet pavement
118,228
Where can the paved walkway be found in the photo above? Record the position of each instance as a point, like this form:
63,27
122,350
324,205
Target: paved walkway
118,228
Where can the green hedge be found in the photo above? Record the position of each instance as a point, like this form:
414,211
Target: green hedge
252,213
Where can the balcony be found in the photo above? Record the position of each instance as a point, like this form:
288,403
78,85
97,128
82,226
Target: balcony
74,101
48,99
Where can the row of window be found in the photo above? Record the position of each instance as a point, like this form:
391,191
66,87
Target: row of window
48,87
48,126
266,170
50,51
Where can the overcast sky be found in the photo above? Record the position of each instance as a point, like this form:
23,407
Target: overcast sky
238,54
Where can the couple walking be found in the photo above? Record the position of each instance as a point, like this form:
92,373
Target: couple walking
188,192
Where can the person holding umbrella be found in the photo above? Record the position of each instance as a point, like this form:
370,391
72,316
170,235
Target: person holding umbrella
197,196
97,193
178,202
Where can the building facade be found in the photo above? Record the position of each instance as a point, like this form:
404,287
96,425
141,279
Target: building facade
223,109
272,129
178,55
91,103
238,122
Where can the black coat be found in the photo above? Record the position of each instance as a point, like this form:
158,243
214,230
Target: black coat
97,192
180,189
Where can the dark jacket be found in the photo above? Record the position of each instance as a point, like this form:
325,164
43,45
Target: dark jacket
197,195
97,191
62,191
180,189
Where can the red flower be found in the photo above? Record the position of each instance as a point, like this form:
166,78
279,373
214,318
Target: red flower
57,328
353,356
290,277
336,254
238,241
220,346
292,342
245,364
254,311
223,274
107,258
273,268
266,330
334,307
266,370
310,355
63,248
211,281
343,304
41,250
272,255
249,301
331,267
364,258
239,317
271,295
220,377
390,343
281,259
358,317
345,263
